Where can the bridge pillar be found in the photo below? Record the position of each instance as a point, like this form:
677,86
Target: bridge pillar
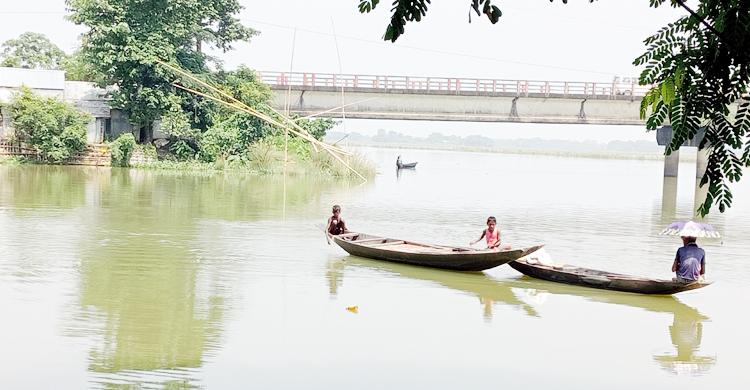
672,164
671,167
701,163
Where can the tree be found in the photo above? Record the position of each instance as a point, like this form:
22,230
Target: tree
125,38
700,68
77,68
31,50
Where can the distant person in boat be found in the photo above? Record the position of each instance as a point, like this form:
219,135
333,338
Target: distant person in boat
336,225
690,262
399,164
492,234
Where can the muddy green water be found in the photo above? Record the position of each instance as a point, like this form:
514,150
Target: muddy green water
132,279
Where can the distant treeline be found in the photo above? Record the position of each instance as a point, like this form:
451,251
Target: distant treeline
485,142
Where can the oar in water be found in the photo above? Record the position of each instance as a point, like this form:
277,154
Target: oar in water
328,235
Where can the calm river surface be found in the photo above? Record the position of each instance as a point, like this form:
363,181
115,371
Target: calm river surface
130,279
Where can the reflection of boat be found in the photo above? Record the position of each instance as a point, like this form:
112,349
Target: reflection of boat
601,279
476,284
490,289
435,256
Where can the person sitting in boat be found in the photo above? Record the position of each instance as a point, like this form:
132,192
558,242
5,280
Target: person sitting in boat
690,262
492,234
399,164
336,225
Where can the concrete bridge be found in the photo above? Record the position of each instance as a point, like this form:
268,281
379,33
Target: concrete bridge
457,99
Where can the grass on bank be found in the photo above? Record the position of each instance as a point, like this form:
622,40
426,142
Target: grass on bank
19,160
266,157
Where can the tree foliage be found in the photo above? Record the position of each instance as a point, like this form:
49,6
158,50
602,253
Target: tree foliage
77,68
405,11
125,37
55,128
31,50
699,66
121,150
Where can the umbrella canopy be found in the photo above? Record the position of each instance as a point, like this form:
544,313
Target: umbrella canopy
690,229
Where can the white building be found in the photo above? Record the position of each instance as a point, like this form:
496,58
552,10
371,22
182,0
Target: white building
85,96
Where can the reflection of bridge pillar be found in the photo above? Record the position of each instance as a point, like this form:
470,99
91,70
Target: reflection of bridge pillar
701,163
669,197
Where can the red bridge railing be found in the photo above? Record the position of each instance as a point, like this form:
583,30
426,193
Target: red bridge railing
456,85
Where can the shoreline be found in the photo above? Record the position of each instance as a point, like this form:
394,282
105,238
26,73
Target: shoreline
648,156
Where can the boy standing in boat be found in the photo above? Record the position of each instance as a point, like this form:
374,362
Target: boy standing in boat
492,234
336,225
690,262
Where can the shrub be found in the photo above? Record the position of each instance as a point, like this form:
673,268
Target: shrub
55,128
122,149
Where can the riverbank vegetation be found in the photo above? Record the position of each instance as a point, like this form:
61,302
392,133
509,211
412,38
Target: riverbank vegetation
187,130
54,128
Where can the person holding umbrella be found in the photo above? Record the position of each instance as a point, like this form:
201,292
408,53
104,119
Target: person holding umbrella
690,262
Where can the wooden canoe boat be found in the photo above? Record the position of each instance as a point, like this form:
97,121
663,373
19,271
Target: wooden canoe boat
406,166
586,277
435,256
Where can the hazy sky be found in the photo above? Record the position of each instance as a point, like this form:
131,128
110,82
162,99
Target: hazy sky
534,40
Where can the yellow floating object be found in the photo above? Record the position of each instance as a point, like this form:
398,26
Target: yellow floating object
352,309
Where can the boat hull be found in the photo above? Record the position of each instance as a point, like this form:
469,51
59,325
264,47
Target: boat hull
434,256
604,280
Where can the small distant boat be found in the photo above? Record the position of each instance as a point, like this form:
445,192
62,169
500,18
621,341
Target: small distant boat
425,255
406,166
400,165
568,274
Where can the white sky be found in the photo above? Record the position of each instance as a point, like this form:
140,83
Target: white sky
534,40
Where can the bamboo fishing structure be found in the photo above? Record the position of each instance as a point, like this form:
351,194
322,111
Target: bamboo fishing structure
234,103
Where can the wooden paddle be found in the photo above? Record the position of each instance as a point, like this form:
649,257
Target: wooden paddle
323,229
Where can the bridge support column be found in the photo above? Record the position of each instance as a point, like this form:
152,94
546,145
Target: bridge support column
672,164
701,163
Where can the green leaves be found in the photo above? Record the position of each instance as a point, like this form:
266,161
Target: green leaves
125,37
367,6
121,150
55,128
699,76
667,90
492,12
31,50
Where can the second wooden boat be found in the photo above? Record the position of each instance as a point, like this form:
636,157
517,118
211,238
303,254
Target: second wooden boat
425,255
586,277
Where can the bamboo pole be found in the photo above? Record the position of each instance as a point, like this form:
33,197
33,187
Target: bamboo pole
333,109
237,103
302,135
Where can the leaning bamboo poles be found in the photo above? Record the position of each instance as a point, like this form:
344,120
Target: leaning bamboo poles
239,105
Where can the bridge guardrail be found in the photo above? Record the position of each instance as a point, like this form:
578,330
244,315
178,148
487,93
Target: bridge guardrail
457,85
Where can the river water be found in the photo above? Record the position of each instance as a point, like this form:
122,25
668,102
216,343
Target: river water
131,279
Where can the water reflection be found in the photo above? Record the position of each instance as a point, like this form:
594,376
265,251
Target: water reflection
334,276
154,308
488,291
686,330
